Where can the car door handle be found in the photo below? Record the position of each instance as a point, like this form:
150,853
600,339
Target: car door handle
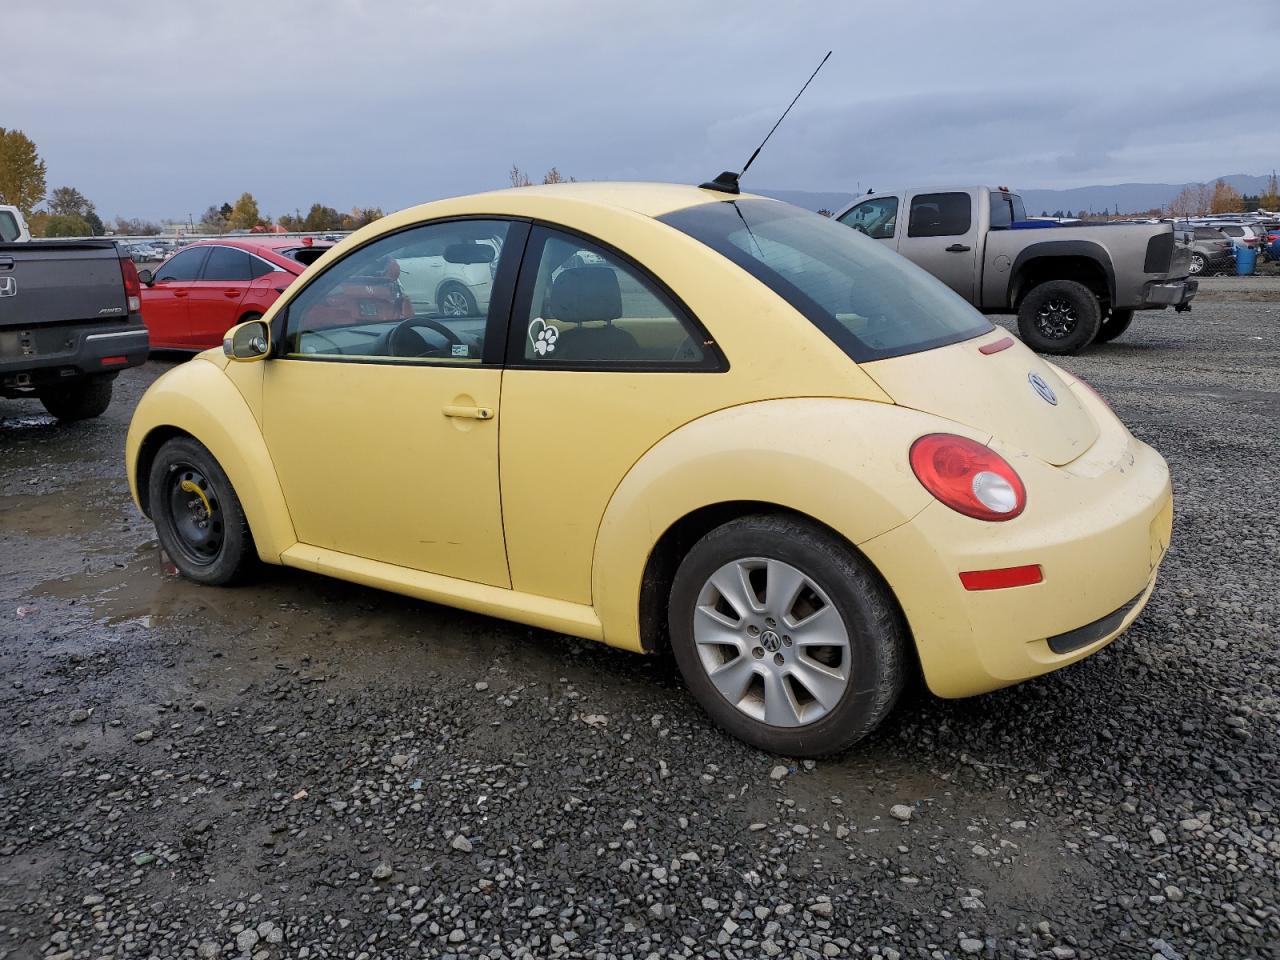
180,293
231,293
958,248
6,263
462,412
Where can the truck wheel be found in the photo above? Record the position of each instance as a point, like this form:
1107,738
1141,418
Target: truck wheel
79,400
1114,323
197,514
1059,316
1197,264
785,636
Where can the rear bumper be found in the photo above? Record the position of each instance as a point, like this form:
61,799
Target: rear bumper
1169,293
1098,533
30,358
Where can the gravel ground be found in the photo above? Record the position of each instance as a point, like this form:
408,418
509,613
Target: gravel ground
303,768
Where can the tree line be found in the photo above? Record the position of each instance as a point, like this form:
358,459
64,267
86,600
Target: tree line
66,212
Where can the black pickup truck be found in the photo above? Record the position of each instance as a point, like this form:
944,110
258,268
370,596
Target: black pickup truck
70,321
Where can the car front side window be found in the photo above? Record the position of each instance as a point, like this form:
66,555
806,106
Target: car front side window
380,302
183,266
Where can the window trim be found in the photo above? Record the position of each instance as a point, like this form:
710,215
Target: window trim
501,296
713,358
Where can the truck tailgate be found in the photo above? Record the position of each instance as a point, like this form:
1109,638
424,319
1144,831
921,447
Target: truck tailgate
60,281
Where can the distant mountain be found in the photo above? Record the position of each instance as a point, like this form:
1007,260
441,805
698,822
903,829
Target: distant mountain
1127,197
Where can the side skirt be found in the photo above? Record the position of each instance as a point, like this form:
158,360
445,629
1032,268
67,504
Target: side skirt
560,616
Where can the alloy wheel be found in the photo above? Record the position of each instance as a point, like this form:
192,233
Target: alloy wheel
454,304
772,642
1057,318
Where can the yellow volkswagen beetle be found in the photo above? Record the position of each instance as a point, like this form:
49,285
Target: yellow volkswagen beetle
669,416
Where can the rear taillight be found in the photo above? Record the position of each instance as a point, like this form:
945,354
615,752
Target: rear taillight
968,477
132,285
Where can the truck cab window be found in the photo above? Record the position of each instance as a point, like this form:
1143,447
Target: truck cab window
876,218
940,215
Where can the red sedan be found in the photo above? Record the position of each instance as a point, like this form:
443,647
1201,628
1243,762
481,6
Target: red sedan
204,289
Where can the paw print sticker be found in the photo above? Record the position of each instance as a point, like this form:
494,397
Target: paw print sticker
543,336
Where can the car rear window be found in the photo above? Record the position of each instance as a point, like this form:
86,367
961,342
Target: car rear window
872,302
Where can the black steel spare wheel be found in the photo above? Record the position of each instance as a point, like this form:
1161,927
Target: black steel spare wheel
197,514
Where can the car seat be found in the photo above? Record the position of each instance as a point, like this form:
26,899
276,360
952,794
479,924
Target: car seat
590,295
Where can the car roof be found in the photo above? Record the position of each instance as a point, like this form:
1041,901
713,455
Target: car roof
647,199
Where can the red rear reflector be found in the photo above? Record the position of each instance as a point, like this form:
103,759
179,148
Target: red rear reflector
1004,577
113,361
989,348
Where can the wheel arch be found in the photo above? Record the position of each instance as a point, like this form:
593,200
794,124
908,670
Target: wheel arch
1083,261
768,457
197,400
679,538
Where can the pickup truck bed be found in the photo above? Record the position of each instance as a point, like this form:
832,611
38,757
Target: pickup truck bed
70,320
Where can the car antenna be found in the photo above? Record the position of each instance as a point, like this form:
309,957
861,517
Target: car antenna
727,182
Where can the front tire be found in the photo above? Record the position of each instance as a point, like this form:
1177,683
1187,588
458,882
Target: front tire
1197,264
1059,317
1115,323
786,636
197,514
80,400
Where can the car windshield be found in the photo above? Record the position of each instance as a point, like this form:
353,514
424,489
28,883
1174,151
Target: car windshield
869,300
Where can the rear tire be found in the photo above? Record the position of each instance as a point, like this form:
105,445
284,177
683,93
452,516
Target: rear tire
1114,324
455,300
1059,317
198,516
816,654
79,400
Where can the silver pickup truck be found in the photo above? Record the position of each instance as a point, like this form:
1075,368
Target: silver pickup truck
1069,285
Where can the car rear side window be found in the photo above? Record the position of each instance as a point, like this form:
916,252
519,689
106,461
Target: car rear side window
940,215
584,307
226,264
872,302
184,265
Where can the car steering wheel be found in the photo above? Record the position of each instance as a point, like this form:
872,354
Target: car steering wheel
400,345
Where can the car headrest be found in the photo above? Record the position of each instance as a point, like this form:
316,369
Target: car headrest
586,294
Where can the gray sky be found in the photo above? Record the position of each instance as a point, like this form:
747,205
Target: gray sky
159,109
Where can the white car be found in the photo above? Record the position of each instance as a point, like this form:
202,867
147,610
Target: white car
13,229
447,279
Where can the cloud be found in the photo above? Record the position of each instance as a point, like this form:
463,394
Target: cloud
160,110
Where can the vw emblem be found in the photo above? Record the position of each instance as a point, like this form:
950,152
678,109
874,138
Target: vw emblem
1042,388
770,641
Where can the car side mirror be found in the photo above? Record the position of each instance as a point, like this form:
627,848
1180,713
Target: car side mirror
248,342
146,276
